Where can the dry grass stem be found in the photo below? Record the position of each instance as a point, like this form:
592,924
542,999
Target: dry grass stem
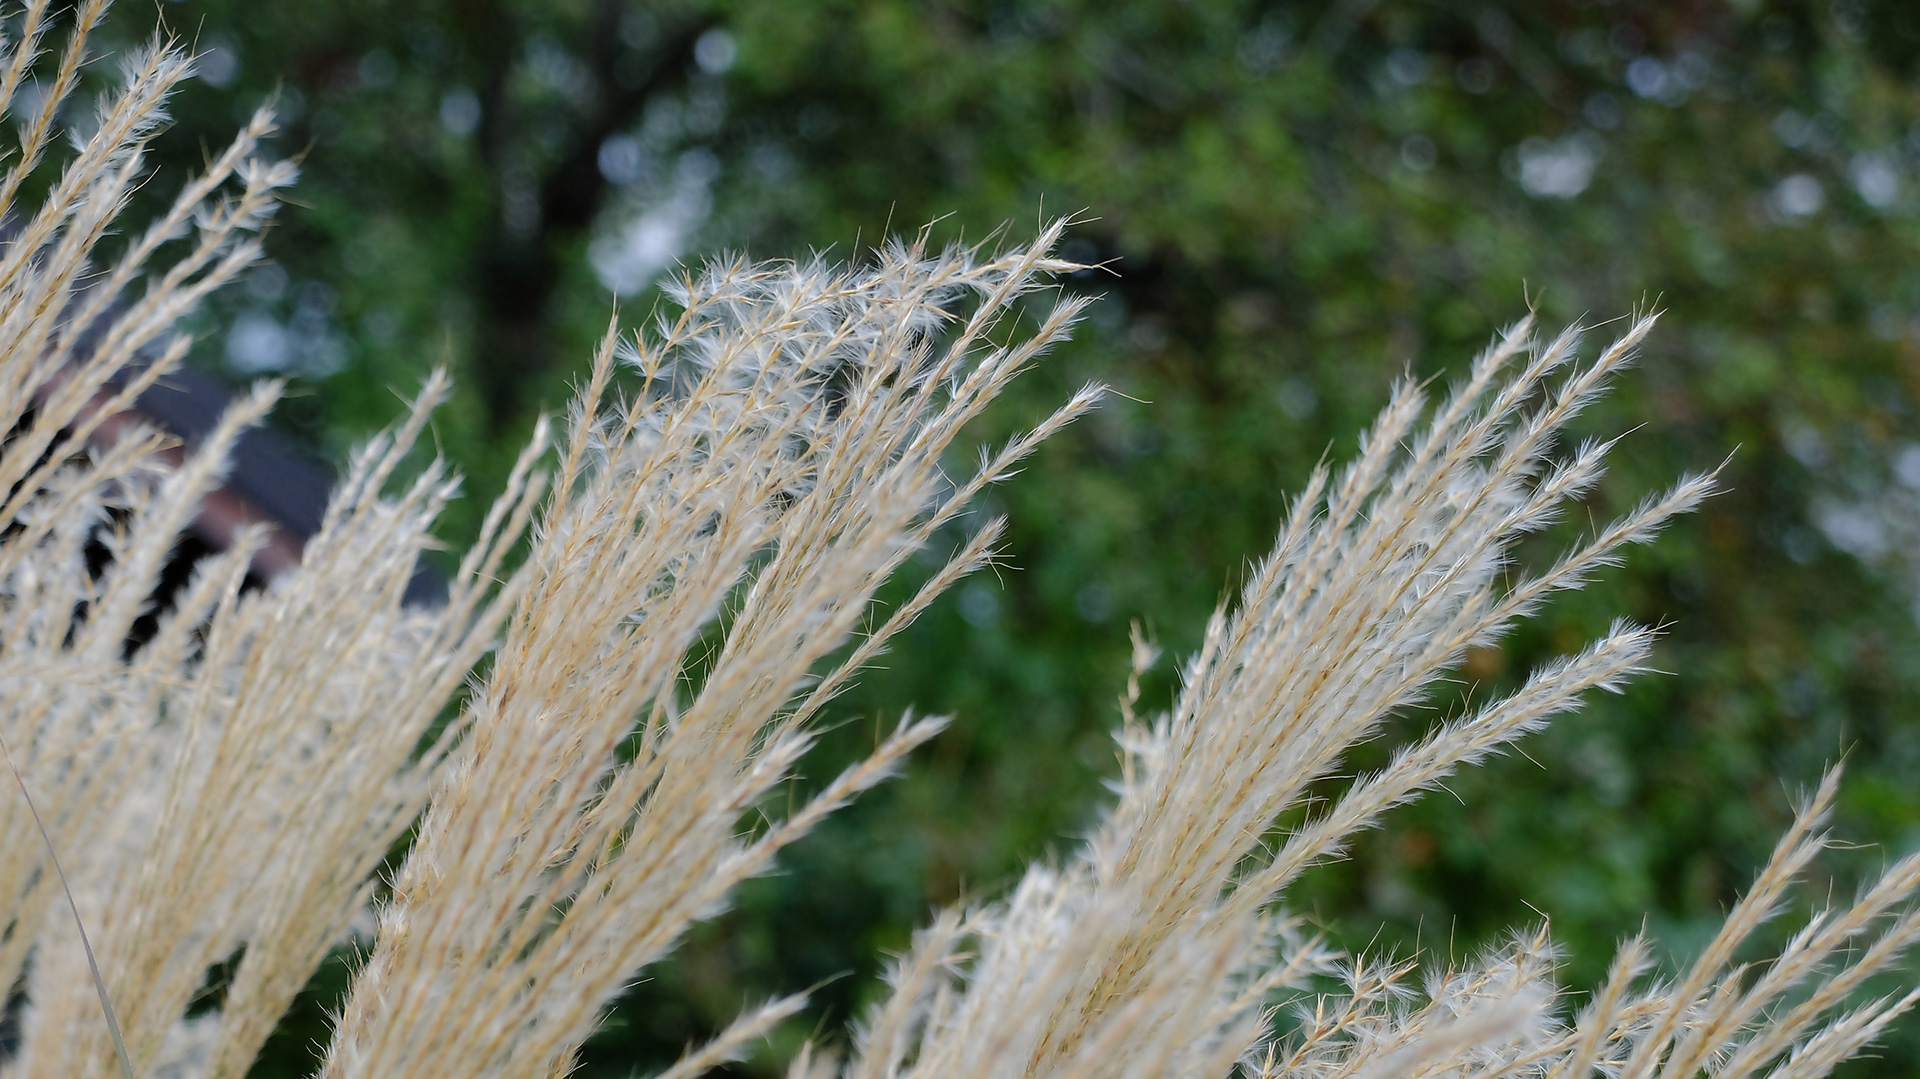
708,547
1156,950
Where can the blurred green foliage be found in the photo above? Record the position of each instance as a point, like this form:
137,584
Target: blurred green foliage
1293,204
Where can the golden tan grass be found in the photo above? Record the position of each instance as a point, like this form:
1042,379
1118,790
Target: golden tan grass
698,581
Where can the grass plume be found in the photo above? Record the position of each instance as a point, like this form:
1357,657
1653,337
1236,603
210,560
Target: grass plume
676,583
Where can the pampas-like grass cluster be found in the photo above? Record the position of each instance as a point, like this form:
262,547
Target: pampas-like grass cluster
1158,951
636,653
708,545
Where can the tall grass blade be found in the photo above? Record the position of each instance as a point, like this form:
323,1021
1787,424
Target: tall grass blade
79,925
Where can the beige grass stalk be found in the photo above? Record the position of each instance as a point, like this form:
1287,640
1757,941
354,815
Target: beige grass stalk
287,765
64,702
1151,954
709,546
233,782
1137,957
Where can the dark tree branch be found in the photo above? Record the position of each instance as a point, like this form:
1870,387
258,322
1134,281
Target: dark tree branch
518,277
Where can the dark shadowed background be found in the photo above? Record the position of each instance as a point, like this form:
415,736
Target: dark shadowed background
1296,203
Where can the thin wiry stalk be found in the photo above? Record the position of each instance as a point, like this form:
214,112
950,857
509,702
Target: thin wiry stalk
79,925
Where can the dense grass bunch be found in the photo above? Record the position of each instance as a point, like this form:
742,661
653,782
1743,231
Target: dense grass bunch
707,547
225,783
1159,950
666,606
